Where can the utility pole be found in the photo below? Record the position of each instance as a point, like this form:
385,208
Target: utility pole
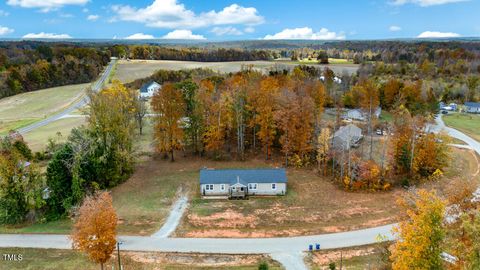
118,254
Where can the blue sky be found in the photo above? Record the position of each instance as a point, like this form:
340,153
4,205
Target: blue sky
239,19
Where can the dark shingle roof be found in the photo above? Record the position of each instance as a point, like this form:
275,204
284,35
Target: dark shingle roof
473,104
211,176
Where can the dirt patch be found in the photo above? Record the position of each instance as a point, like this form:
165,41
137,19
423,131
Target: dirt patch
198,260
324,258
227,219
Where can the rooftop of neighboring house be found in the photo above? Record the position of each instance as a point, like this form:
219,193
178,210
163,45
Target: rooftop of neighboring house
232,176
144,88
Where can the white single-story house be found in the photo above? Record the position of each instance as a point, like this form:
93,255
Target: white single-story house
360,115
243,182
149,89
472,107
346,137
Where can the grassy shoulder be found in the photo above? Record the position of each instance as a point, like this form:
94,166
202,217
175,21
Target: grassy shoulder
466,123
36,105
354,258
42,259
38,138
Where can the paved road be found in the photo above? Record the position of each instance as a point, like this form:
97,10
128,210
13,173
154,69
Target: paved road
285,245
288,250
440,126
79,104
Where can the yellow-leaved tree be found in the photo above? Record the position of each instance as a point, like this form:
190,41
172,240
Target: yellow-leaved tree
323,146
421,233
95,230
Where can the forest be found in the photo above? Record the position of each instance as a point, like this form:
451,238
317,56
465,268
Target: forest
29,66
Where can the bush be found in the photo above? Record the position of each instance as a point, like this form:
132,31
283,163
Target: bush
332,266
263,266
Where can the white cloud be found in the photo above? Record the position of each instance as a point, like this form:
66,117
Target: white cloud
249,29
172,14
93,17
43,35
183,34
5,30
395,28
306,33
425,3
435,34
140,36
85,10
45,5
229,30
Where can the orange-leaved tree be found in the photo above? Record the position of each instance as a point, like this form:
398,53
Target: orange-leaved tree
169,106
95,230
421,234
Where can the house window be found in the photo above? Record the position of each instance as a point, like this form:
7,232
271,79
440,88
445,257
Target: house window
209,187
222,187
274,186
252,186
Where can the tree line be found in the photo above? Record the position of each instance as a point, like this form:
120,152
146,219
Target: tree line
151,52
29,66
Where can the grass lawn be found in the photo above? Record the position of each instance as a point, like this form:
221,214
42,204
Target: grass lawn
354,258
467,123
37,139
43,259
36,105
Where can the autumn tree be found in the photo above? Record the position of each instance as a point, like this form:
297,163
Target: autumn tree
169,106
421,234
269,88
369,102
111,123
95,229
140,111
194,114
20,184
323,147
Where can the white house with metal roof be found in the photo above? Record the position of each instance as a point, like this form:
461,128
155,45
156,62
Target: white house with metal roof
240,183
149,89
472,107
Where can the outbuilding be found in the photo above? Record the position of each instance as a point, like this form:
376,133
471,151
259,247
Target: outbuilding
240,183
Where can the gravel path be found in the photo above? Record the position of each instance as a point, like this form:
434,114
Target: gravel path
174,218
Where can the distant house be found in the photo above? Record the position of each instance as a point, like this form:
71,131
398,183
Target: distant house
360,115
347,136
472,107
239,183
449,107
149,89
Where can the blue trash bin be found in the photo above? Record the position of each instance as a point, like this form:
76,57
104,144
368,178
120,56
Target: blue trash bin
310,247
317,246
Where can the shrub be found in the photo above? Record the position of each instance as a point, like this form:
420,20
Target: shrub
263,266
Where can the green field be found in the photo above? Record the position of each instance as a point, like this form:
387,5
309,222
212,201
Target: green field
466,123
43,259
38,138
128,71
23,109
332,61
